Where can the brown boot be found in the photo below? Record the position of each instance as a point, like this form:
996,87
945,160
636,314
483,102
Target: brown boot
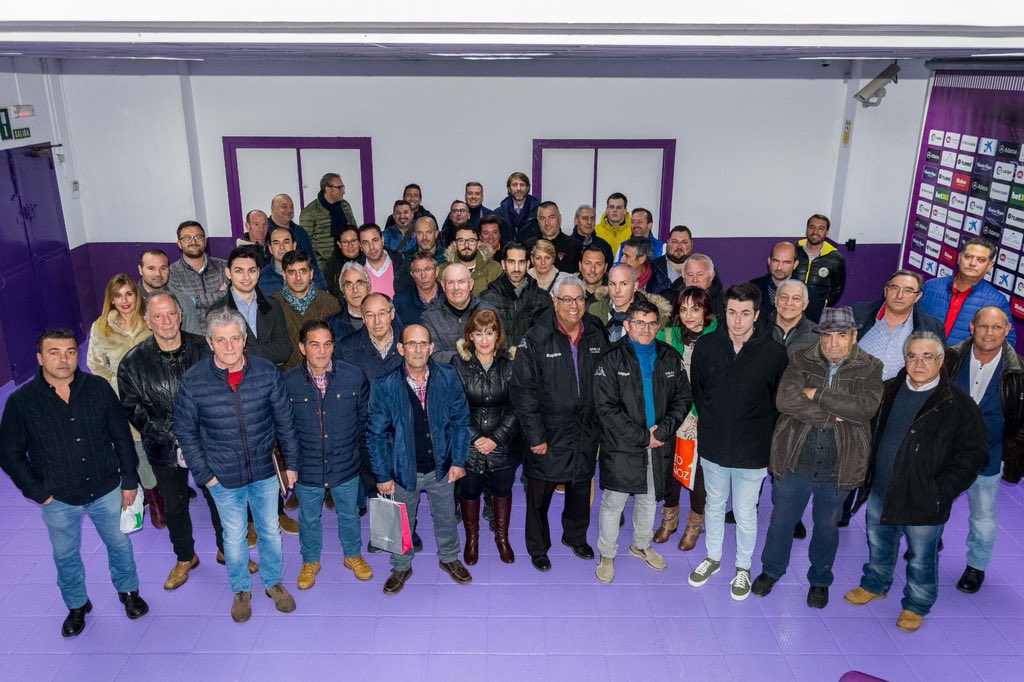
471,520
669,524
502,511
155,500
694,527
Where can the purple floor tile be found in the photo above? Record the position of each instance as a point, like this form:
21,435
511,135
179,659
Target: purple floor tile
929,639
859,636
457,667
222,635
515,636
518,668
34,667
759,667
802,636
273,667
708,668
744,635
689,636
570,667
111,634
458,635
169,634
44,638
330,667
517,600
930,668
891,668
997,668
575,636
400,635
980,638
817,667
86,666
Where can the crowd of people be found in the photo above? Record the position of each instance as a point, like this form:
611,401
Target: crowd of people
325,362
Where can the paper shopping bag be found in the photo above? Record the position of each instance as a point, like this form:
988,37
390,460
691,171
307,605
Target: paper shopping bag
389,525
684,465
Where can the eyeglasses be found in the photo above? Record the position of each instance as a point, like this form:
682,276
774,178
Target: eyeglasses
336,186
416,345
923,357
466,241
358,283
893,289
349,242
192,238
640,324
570,300
460,210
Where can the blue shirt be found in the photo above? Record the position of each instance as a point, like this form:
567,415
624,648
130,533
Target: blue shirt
248,310
887,345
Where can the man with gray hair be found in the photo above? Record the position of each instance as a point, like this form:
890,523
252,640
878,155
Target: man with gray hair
699,271
324,217
636,253
446,317
551,392
789,325
583,231
228,414
929,446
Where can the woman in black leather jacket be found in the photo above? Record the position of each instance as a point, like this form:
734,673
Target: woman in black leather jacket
495,443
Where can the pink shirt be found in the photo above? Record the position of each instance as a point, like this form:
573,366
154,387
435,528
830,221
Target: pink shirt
382,281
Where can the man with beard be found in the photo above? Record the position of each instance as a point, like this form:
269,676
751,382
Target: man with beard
518,211
477,257
781,264
567,249
677,249
515,295
583,231
326,214
196,277
819,264
398,234
593,266
301,301
413,195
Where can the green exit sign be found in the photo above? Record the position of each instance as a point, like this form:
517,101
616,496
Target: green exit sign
5,125
21,133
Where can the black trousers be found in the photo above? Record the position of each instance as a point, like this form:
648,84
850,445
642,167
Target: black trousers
500,483
173,485
575,515
698,496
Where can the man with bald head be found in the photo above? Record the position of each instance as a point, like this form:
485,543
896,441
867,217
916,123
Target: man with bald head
446,316
256,233
781,264
427,237
986,366
282,212
611,308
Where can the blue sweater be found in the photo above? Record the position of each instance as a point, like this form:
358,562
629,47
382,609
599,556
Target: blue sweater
935,297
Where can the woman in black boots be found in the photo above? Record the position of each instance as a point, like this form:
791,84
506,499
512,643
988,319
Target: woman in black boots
495,442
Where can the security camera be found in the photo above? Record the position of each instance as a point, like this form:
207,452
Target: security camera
871,94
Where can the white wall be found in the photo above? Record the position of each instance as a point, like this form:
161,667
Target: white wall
755,155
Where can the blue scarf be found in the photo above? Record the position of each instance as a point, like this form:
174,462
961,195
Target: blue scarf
300,304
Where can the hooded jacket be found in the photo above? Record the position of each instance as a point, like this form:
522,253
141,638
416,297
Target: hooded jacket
485,270
601,307
490,409
517,313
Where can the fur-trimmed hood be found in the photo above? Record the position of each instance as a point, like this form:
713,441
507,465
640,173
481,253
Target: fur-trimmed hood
484,252
462,348
663,304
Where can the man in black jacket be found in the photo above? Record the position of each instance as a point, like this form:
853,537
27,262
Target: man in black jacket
515,295
735,374
781,264
819,264
929,445
551,392
65,443
641,395
148,378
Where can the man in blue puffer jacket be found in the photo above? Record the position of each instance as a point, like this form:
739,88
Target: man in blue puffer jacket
228,414
953,300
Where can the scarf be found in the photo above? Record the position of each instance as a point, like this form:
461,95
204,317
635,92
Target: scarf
300,304
337,211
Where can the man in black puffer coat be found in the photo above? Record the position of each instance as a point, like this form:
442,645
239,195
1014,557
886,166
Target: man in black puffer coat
515,295
552,393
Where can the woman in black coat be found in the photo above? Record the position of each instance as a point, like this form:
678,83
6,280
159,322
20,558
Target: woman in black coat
495,444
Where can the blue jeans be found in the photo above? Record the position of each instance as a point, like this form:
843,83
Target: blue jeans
311,499
922,587
441,495
262,498
789,499
981,536
745,485
64,524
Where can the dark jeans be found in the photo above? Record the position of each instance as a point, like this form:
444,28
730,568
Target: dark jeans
575,515
789,499
500,483
172,482
698,496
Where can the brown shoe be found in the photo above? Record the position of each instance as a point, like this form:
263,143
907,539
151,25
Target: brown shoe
288,524
358,566
250,535
396,581
253,566
329,500
471,520
241,611
858,596
307,574
909,621
282,600
669,524
292,502
694,527
457,571
502,511
179,574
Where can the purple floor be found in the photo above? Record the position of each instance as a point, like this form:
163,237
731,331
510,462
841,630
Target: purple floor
511,622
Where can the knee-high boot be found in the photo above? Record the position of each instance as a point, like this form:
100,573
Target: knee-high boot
502,512
471,520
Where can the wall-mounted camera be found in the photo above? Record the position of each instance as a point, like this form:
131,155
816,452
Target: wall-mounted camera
871,94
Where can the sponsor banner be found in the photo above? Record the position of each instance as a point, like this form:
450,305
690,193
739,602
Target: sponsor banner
1003,171
983,166
935,231
1004,280
924,209
1017,196
1014,217
991,232
973,225
915,259
945,177
976,206
942,195
943,271
932,155
952,238
920,226
1008,150
931,267
1008,259
948,159
987,146
954,219
936,136
947,256
926,191
969,143
932,249
917,242
979,187
995,213
961,182
964,163
951,140
958,200
939,213
999,192
1018,174
1018,288
1013,238
1017,307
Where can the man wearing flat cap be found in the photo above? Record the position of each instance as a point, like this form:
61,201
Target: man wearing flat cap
820,448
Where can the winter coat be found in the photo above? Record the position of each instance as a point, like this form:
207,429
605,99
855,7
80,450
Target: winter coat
800,336
321,307
767,285
619,402
847,407
567,251
271,338
517,313
357,349
105,351
935,298
735,397
826,273
409,306
601,307
148,379
331,428
390,436
484,272
490,409
231,434
528,229
1011,397
316,219
446,326
551,406
939,458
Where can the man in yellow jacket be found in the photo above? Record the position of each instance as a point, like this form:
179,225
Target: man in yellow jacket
614,225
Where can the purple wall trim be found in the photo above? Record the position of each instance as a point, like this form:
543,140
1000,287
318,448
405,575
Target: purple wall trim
232,144
668,165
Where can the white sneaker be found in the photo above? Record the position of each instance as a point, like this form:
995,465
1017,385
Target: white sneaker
704,570
740,585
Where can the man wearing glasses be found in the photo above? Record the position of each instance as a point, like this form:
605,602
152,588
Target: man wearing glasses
929,446
412,301
475,255
355,285
196,279
324,217
552,393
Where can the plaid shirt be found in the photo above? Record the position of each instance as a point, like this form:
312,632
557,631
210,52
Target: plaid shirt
321,379
419,389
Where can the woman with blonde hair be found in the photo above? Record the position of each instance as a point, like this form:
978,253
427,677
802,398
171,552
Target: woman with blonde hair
119,327
542,258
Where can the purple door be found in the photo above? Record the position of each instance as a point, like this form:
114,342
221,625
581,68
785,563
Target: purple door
37,284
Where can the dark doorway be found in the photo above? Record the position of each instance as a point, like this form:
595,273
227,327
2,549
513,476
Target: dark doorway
37,283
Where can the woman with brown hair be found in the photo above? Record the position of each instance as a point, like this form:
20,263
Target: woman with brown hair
495,444
119,327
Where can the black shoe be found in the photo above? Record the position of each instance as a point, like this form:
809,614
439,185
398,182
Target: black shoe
730,517
541,563
843,523
970,582
372,550
396,581
763,584
75,622
622,519
817,597
906,555
583,551
363,511
134,605
192,494
799,530
417,543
